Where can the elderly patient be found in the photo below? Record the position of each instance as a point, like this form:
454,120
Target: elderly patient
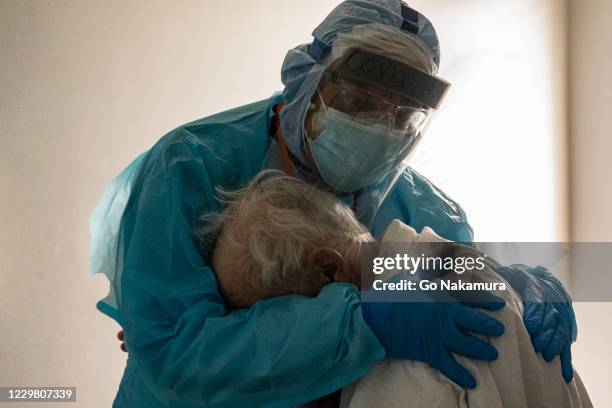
279,236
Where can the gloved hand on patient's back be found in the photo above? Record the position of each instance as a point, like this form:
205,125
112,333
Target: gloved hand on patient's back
549,317
552,325
453,316
430,330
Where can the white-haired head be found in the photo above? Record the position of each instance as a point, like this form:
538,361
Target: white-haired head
266,232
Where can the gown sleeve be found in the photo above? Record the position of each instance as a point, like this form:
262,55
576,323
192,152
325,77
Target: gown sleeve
417,202
187,347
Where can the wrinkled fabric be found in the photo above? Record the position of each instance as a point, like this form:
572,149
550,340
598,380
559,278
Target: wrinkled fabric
304,65
427,330
517,378
104,228
399,45
549,315
186,348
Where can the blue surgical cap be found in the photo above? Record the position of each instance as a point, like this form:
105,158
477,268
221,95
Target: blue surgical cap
303,65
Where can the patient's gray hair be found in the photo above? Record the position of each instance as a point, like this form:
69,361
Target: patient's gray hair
276,222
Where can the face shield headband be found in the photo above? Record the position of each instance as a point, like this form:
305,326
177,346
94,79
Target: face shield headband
360,65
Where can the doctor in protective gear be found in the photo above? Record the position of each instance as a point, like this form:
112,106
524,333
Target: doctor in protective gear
356,101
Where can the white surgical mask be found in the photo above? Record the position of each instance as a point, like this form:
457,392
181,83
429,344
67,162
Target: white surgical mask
350,155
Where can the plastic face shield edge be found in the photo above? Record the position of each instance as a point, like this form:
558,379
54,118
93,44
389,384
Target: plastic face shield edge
382,93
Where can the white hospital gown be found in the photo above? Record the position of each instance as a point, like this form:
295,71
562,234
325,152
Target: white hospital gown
518,378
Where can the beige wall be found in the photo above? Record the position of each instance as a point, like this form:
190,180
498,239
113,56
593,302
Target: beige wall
87,85
590,105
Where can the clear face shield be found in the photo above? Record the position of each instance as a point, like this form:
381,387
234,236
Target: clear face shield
367,116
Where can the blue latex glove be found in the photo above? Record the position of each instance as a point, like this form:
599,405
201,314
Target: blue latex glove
429,331
549,317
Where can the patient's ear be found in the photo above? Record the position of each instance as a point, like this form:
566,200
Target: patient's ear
328,264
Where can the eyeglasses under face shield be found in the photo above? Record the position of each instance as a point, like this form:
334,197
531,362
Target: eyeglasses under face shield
374,89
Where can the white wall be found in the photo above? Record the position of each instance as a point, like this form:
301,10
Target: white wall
87,85
498,143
